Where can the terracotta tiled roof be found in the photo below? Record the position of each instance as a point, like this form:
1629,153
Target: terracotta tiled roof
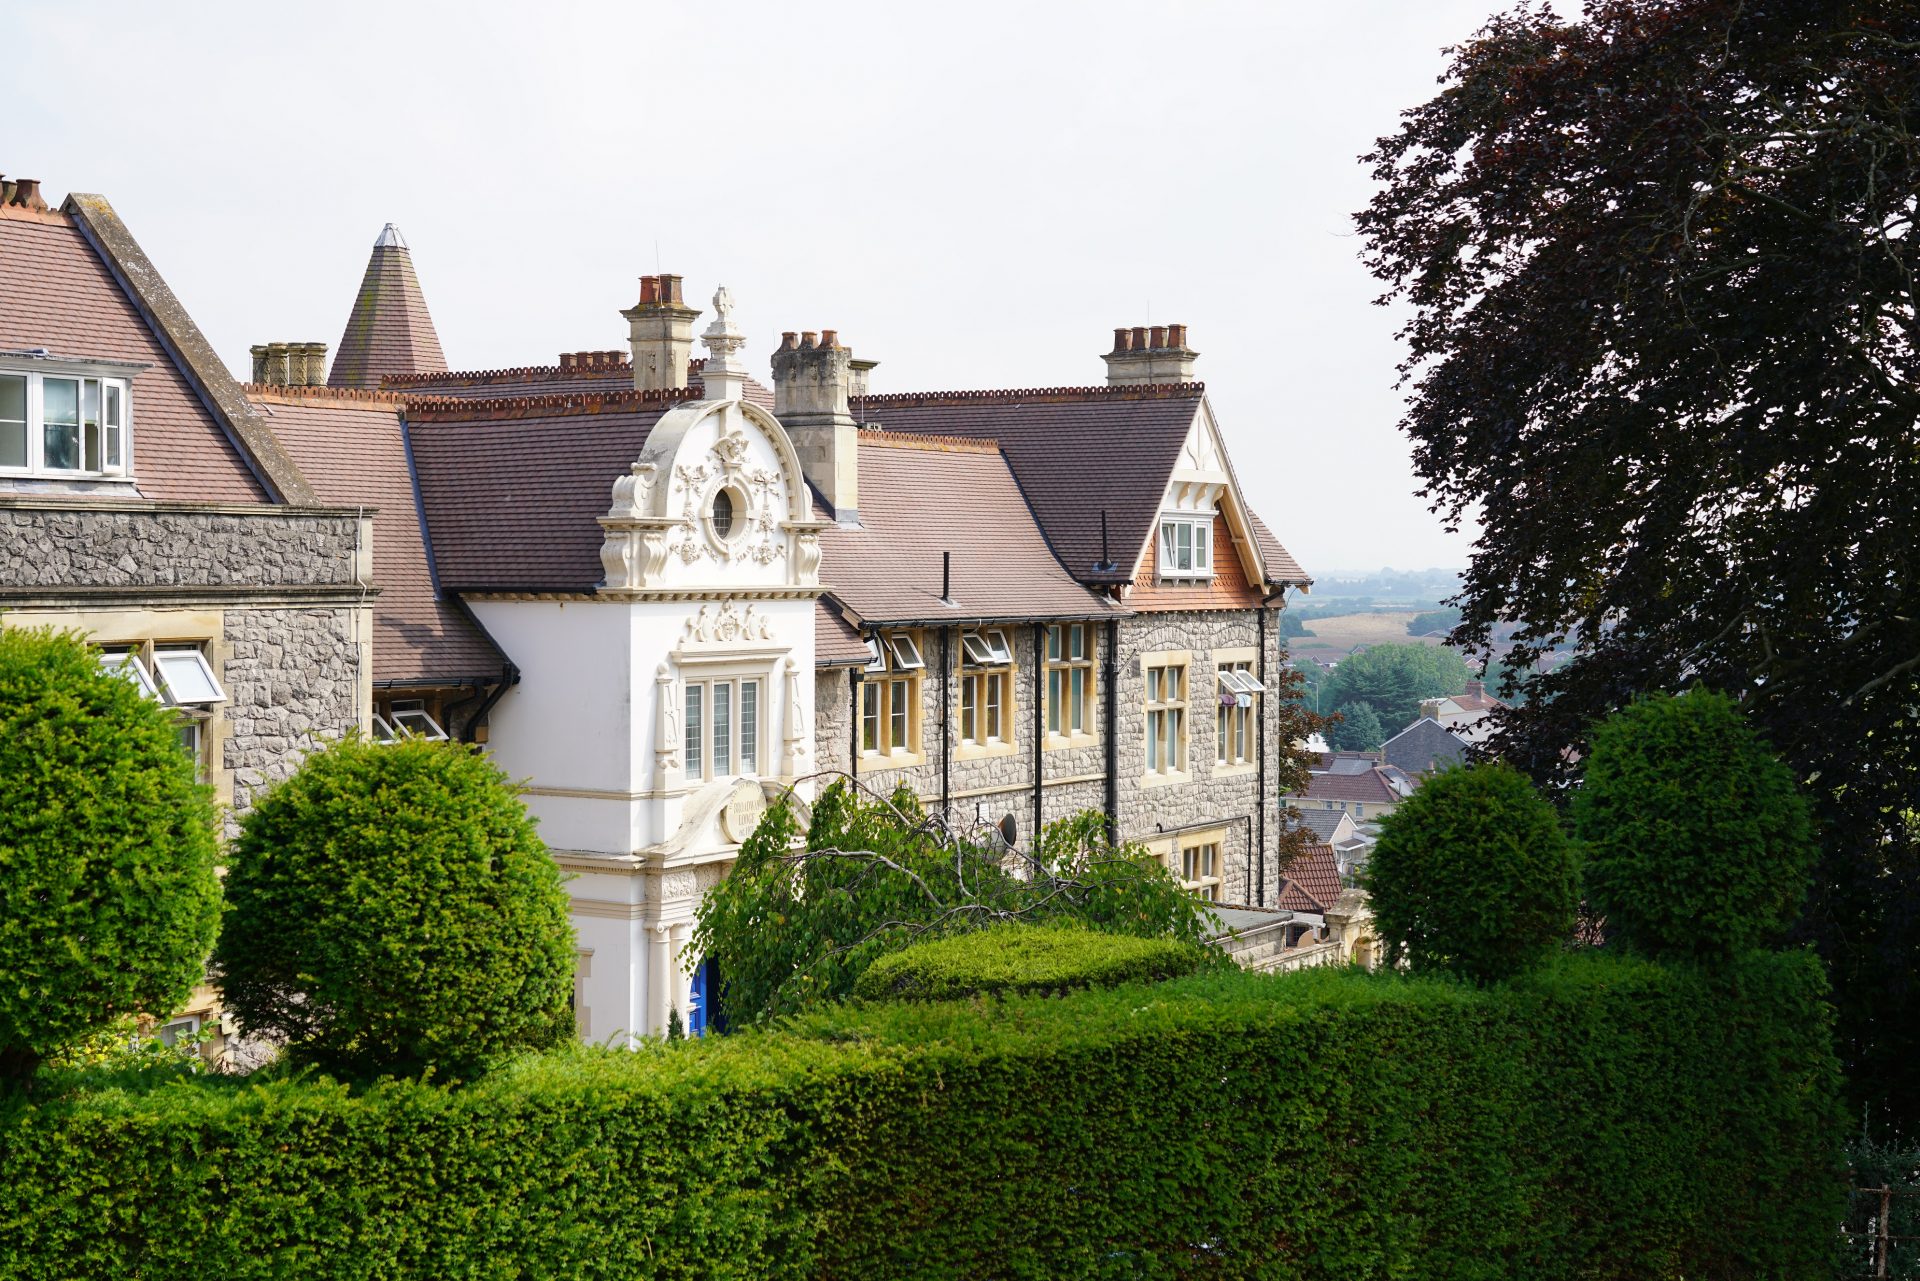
1424,746
389,330
1312,880
835,643
514,488
550,380
1078,451
1280,565
352,448
60,294
924,495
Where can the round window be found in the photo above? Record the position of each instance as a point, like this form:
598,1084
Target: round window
722,514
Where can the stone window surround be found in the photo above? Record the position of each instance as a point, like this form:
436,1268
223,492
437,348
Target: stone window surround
1228,657
1183,659
877,685
1089,663
1172,852
1008,743
705,669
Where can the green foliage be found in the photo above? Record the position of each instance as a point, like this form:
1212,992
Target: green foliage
1473,875
1698,844
108,894
1009,959
1358,730
1291,624
1393,679
1645,251
1434,620
392,909
122,1047
1599,1118
793,928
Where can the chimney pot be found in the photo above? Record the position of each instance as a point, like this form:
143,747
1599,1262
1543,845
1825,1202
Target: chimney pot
316,364
649,290
670,290
7,188
1157,338
1176,335
829,337
276,364
1122,339
566,361
806,339
26,194
259,351
789,340
1139,338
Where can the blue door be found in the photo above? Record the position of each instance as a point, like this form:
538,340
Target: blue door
702,1008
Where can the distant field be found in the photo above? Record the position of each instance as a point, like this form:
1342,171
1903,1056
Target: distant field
1344,631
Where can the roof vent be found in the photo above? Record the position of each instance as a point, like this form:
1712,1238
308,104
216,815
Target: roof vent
390,238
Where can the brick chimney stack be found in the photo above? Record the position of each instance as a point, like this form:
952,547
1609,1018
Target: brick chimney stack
660,331
1150,355
812,379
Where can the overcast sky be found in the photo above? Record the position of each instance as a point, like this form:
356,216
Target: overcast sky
974,195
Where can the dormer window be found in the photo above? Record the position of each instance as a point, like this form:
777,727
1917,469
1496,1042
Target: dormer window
1186,546
63,425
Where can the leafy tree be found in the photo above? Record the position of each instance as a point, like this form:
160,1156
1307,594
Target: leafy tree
108,894
1291,624
1394,679
793,928
1698,843
1434,620
1358,731
1660,264
392,909
1473,875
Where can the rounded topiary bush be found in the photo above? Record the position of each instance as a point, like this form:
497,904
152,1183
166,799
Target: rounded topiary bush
108,894
1006,960
392,909
1473,875
1697,843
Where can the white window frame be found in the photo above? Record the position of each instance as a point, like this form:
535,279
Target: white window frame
698,742
108,380
164,653
906,652
1235,722
1184,545
124,661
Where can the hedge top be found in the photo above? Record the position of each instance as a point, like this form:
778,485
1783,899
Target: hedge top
1016,958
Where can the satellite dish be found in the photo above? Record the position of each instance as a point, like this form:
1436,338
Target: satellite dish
1009,830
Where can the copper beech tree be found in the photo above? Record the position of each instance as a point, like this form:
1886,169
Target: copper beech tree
1659,267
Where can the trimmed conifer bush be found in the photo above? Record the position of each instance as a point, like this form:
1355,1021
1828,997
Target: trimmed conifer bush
1008,959
1473,875
392,909
108,894
1698,844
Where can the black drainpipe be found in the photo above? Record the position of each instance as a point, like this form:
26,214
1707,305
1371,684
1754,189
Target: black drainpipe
1112,701
946,723
855,675
509,677
1039,729
1260,741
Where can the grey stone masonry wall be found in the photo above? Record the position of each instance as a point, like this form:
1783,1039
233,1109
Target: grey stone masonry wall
174,546
293,683
982,790
1229,798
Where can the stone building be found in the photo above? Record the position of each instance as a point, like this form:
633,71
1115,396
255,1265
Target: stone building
656,588
145,502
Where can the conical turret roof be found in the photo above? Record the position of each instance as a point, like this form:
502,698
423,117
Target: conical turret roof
390,330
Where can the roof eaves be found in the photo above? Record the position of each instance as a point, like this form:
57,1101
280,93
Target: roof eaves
258,447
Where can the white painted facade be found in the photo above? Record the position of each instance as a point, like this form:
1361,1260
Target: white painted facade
643,792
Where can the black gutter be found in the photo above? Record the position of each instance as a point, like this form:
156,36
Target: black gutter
855,675
1112,700
1039,731
946,723
1260,739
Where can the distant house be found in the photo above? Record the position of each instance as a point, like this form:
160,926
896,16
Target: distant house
1353,783
1423,747
1337,830
1465,713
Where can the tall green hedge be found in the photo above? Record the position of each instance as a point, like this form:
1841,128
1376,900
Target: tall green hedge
1600,1118
1009,959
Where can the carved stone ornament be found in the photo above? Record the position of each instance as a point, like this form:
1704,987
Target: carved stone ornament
667,740
727,625
742,813
631,491
797,737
